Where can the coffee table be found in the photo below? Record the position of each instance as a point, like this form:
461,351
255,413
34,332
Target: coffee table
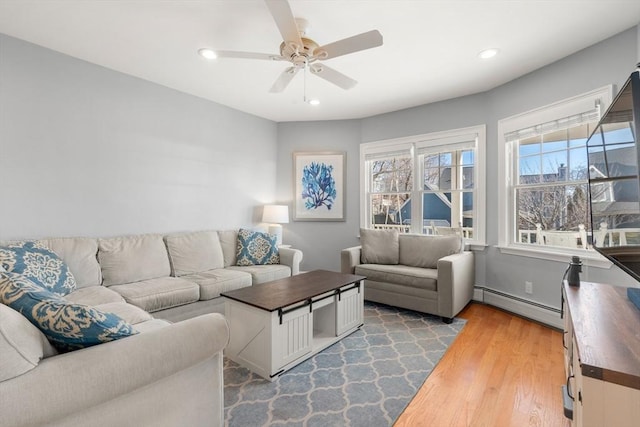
275,326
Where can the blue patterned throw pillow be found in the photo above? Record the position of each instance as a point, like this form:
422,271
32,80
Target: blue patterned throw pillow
39,264
68,326
256,248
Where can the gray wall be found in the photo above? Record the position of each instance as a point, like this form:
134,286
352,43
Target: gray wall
89,151
320,241
609,62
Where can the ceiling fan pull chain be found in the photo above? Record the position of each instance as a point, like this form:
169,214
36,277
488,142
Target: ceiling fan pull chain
304,94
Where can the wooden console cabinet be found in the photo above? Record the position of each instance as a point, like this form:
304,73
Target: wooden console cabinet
602,355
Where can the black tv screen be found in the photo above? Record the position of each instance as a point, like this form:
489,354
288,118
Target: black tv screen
614,184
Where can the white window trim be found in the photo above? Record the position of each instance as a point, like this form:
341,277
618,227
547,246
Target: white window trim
557,110
434,139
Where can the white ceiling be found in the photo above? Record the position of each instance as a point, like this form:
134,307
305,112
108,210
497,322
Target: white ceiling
429,53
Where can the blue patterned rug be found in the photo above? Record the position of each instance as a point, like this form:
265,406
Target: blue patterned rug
366,379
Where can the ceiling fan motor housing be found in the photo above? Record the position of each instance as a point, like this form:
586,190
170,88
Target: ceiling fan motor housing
299,57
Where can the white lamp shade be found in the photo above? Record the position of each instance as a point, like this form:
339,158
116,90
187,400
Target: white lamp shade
275,214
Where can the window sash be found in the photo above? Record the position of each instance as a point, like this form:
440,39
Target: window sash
513,139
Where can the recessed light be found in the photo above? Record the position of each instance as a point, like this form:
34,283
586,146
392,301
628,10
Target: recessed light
207,53
488,53
314,101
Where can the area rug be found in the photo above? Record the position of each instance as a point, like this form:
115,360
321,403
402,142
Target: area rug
366,379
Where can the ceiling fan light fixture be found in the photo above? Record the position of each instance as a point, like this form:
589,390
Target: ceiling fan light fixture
207,53
488,53
314,101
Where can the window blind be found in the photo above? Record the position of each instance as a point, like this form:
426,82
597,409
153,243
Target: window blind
456,146
554,125
382,155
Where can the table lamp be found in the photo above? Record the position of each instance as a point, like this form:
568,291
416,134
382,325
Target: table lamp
275,215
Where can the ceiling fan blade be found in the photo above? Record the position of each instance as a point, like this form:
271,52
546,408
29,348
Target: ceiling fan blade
333,76
281,12
357,43
248,55
285,78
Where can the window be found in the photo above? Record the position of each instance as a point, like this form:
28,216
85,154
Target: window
444,171
544,206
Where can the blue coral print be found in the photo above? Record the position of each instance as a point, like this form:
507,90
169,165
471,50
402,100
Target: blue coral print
318,186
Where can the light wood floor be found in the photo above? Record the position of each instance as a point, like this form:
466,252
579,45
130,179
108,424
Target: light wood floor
501,370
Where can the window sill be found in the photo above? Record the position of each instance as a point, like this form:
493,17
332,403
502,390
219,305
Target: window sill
476,246
589,257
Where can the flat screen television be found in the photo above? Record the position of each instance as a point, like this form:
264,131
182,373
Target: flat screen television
614,184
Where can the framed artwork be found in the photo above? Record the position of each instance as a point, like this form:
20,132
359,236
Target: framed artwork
319,186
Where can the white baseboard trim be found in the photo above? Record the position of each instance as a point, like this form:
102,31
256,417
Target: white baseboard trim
529,309
478,294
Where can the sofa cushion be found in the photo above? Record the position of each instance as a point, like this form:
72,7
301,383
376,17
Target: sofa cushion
129,259
39,264
94,295
81,255
256,248
22,345
128,312
415,277
425,251
69,326
194,252
229,244
379,246
264,273
214,282
160,293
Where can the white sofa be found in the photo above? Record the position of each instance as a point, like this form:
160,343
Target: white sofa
169,374
430,274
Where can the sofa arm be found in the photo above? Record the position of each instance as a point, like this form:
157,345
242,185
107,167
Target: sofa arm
132,380
455,283
292,258
349,258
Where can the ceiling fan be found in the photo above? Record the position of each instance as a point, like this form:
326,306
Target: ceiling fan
302,52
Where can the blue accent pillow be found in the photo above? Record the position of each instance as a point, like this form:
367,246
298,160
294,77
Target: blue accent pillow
256,248
68,326
39,264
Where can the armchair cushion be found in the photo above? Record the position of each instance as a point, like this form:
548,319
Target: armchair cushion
425,251
67,325
40,265
413,277
379,246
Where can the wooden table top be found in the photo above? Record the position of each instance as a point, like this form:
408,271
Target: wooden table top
607,329
281,293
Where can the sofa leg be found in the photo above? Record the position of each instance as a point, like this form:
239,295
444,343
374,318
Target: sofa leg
447,320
